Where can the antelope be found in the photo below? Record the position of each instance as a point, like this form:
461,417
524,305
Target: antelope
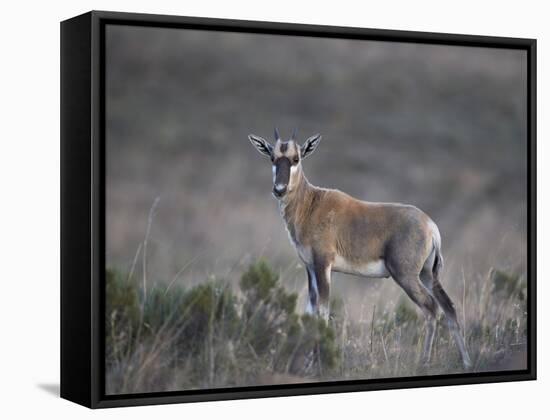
333,231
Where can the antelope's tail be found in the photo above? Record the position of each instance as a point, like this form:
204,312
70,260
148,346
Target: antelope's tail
438,264
438,260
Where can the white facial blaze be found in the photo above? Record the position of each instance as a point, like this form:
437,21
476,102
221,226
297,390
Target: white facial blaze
274,170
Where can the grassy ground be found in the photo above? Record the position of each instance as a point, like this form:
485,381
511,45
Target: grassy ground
214,335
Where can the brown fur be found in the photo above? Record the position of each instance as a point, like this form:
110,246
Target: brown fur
329,221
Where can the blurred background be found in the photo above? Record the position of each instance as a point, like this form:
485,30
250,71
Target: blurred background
439,127
189,199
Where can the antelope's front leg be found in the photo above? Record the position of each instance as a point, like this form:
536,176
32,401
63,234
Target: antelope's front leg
313,291
321,273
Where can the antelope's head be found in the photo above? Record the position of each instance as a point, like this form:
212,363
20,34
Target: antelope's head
286,158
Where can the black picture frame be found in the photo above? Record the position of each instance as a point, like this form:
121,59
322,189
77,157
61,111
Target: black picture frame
83,207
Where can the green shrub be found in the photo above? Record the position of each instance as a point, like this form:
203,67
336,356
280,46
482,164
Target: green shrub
274,330
122,314
405,312
508,284
215,336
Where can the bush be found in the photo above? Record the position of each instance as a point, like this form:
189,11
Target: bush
209,336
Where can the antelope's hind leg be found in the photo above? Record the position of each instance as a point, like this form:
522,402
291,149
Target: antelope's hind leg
452,322
418,293
431,281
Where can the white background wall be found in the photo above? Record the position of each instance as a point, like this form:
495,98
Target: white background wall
29,207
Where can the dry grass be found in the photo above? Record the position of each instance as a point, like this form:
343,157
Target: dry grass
213,335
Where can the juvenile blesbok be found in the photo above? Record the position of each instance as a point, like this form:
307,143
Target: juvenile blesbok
333,231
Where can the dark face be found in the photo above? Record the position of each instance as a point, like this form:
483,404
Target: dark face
286,157
286,163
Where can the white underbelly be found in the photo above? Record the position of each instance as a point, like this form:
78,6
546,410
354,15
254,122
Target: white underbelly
375,268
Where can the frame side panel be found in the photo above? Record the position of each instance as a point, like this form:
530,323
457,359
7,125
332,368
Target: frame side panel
76,209
532,203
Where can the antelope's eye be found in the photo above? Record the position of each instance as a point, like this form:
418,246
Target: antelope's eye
296,159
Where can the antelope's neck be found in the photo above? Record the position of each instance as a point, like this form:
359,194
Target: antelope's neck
296,205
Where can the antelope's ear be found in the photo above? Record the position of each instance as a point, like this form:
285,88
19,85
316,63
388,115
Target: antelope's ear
261,145
310,145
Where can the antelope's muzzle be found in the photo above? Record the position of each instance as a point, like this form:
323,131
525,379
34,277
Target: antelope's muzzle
282,177
279,190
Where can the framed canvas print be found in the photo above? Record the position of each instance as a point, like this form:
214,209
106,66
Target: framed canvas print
255,209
